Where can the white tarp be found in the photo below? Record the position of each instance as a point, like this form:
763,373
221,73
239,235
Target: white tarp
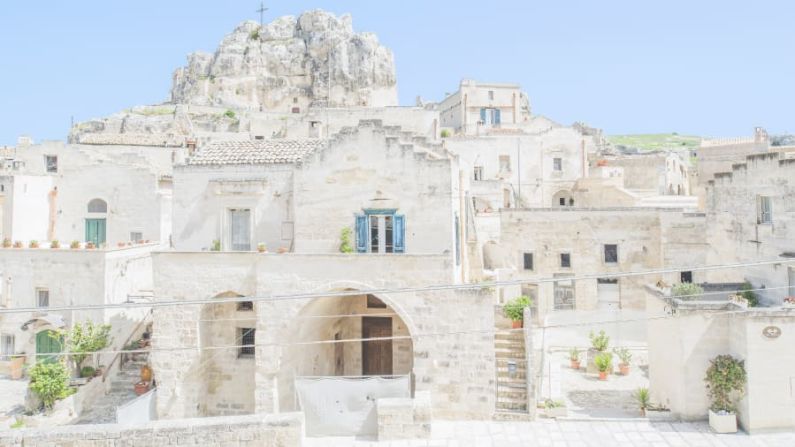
345,406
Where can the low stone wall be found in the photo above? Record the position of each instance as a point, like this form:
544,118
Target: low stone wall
404,418
284,430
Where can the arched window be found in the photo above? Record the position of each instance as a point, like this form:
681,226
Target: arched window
97,206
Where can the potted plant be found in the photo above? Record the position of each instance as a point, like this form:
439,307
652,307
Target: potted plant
141,388
17,366
74,245
624,357
282,250
7,243
555,408
725,378
146,373
33,244
644,400
121,244
599,344
55,244
514,310
346,240
262,248
574,358
789,301
604,363
90,246
17,244
216,245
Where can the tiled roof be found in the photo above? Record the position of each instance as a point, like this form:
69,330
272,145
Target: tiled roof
255,152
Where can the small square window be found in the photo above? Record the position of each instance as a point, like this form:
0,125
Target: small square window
136,236
247,342
562,201
51,163
527,259
565,260
245,305
557,164
686,277
611,253
42,298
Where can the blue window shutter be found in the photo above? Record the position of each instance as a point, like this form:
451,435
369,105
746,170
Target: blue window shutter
361,233
399,234
497,117
483,115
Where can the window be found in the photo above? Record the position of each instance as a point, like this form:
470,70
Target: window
247,341
565,260
611,253
505,163
527,259
686,277
491,95
245,306
42,298
562,201
97,206
380,233
240,229
490,116
259,137
6,347
51,163
557,164
136,236
478,173
764,208
374,303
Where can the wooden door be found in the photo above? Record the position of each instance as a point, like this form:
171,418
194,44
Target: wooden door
47,342
95,231
376,355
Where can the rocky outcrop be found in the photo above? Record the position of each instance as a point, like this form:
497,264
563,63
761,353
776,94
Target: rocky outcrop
290,63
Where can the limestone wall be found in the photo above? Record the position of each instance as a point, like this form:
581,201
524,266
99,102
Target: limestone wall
284,430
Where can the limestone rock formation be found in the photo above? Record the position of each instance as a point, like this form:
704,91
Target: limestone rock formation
286,65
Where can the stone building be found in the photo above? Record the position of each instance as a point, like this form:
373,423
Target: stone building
477,108
401,199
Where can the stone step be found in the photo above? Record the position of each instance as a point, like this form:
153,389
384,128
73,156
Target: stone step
512,415
509,344
511,406
509,336
513,382
509,354
502,364
517,396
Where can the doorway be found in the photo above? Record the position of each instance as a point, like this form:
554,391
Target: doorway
96,231
47,342
377,354
608,293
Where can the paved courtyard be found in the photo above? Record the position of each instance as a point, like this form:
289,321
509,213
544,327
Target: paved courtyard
12,400
569,433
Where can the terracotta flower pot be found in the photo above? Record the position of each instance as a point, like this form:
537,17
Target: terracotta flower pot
146,373
141,388
575,364
602,375
517,324
624,369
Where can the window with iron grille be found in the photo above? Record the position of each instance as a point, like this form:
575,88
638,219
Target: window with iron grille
247,341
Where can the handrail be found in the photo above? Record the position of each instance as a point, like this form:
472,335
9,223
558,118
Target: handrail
126,342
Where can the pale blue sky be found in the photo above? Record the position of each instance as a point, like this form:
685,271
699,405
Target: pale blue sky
700,67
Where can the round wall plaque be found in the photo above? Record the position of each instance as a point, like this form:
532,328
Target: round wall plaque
771,332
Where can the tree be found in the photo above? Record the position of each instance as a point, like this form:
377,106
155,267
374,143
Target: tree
83,339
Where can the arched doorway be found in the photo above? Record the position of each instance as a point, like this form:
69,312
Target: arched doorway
48,342
227,334
96,222
562,198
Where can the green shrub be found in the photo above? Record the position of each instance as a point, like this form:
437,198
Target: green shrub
346,240
216,246
18,424
687,290
87,371
515,308
724,376
599,342
643,397
254,35
749,295
604,361
230,114
50,381
549,404
445,133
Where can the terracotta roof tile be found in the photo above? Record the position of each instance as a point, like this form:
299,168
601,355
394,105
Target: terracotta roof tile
255,152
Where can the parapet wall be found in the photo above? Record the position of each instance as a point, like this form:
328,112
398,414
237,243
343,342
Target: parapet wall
284,430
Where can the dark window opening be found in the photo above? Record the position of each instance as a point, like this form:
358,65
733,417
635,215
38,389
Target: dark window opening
686,277
562,201
528,261
245,305
246,337
565,260
611,253
374,303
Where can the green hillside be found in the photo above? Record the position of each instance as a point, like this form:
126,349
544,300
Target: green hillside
656,141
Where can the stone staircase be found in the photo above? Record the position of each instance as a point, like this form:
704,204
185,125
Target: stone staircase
103,410
511,365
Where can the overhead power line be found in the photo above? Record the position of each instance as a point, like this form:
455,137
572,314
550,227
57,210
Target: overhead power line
390,291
